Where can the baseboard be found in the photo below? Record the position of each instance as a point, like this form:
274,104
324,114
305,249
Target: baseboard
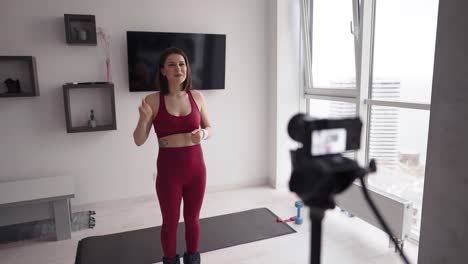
152,196
235,186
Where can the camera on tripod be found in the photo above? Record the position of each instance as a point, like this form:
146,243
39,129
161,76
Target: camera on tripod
319,171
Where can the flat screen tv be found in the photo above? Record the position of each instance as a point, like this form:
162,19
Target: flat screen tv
206,53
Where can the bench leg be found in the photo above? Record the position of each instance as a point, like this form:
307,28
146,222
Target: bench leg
62,219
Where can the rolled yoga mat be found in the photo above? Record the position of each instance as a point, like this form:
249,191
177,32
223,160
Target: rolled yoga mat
143,246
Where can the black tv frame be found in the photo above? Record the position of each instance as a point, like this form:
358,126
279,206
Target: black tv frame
205,76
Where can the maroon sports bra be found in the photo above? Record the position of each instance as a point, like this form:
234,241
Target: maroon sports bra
166,124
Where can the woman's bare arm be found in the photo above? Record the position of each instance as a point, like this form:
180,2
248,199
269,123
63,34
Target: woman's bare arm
147,113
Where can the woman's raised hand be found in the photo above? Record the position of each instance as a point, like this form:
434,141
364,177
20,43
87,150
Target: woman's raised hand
145,111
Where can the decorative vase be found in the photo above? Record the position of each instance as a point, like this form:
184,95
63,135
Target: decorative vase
82,34
92,123
108,73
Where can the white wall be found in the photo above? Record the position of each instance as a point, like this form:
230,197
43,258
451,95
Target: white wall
287,92
107,165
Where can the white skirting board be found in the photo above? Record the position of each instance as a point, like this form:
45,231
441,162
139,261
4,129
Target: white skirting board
396,211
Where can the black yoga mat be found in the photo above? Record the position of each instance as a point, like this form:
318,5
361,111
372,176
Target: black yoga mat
143,246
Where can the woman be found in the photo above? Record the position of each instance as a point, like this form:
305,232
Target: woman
180,120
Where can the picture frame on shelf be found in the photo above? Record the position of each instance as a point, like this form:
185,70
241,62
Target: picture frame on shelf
18,76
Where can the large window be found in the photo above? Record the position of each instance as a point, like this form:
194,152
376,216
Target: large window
391,67
398,141
333,64
403,52
404,45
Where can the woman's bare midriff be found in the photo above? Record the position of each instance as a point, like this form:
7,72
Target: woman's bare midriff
176,141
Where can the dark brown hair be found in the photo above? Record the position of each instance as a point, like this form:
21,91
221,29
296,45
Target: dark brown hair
162,80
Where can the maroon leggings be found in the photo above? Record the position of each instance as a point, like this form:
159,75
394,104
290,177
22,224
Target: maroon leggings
181,174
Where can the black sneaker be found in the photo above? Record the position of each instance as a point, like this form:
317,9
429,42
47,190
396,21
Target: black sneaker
174,260
192,258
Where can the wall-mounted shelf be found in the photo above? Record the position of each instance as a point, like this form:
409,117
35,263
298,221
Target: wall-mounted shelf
79,99
80,29
18,76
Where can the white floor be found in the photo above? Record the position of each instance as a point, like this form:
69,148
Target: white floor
344,239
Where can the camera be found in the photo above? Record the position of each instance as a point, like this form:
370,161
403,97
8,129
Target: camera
319,171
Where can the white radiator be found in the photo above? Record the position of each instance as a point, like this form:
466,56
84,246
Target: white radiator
396,211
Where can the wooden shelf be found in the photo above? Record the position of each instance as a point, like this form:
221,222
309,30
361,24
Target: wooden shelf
80,98
17,94
21,69
89,129
80,29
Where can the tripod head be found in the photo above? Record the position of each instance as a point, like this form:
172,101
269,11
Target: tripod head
317,179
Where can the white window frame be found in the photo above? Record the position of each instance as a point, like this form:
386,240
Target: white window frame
363,29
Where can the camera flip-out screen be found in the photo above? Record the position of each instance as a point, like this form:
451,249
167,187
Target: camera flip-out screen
328,141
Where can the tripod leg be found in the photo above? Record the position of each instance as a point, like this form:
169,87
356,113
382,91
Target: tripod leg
316,236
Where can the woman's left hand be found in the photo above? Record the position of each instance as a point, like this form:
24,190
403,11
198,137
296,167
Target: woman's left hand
197,136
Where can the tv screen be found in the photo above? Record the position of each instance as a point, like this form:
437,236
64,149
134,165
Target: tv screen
206,53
